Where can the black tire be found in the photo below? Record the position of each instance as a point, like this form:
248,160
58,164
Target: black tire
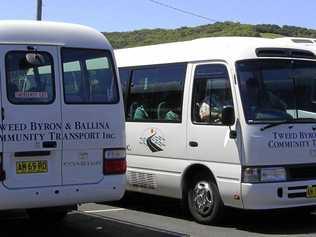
47,215
204,201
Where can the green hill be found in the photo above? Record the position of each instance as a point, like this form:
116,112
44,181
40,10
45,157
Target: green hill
156,36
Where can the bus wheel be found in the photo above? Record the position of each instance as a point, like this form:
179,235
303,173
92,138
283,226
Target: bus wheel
204,201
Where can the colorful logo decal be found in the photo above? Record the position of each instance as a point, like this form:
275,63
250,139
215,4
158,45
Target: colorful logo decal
153,139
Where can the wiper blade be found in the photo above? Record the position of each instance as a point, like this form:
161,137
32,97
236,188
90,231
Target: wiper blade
276,124
289,121
305,120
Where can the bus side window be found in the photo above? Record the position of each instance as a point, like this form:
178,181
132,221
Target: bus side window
211,92
88,77
28,83
139,97
72,81
156,93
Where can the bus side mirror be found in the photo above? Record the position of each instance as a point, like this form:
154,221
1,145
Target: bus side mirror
228,115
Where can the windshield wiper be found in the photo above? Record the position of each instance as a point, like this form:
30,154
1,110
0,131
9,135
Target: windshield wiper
289,121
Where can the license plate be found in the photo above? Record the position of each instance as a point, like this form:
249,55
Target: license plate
31,167
311,192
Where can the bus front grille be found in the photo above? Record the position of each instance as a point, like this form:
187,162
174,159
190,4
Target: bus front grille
301,172
298,191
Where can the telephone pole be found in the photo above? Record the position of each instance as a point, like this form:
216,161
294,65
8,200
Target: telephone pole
39,10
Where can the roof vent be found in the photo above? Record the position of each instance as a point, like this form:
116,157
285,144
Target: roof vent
284,53
302,41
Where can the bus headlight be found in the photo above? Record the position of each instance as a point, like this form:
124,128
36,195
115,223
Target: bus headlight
269,174
275,174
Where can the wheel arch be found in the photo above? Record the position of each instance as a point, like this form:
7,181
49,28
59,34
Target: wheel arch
216,213
191,170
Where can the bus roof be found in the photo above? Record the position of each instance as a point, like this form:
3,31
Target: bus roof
298,40
215,48
51,33
308,43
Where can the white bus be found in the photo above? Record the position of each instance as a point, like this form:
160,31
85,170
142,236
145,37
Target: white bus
62,118
221,122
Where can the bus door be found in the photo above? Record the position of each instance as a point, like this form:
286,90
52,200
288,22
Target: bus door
31,112
208,139
93,119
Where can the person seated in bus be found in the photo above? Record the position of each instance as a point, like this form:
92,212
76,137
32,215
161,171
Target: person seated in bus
140,113
165,111
204,110
171,115
211,108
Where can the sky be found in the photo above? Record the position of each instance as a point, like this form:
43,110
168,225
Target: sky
127,15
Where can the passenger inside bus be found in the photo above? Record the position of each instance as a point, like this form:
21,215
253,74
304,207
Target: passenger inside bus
165,112
208,112
211,108
140,113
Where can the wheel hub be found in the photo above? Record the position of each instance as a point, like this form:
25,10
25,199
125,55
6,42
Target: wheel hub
203,198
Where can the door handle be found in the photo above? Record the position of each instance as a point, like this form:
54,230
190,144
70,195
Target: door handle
193,144
50,144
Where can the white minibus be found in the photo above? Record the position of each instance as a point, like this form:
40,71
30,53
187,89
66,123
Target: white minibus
221,122
62,128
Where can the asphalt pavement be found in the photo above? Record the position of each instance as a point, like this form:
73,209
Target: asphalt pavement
144,215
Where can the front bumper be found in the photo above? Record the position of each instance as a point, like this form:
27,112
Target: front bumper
276,195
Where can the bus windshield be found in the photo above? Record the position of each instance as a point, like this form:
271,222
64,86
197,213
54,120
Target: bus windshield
276,90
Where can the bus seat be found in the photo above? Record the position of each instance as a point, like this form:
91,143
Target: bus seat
162,110
132,109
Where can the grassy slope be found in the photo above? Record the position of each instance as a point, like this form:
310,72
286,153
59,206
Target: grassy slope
155,36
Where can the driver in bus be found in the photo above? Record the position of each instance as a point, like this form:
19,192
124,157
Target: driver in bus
259,99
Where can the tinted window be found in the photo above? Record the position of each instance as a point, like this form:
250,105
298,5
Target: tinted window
27,82
277,90
211,91
156,94
124,76
304,76
88,77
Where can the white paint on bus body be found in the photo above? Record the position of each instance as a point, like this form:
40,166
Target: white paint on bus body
289,148
62,129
